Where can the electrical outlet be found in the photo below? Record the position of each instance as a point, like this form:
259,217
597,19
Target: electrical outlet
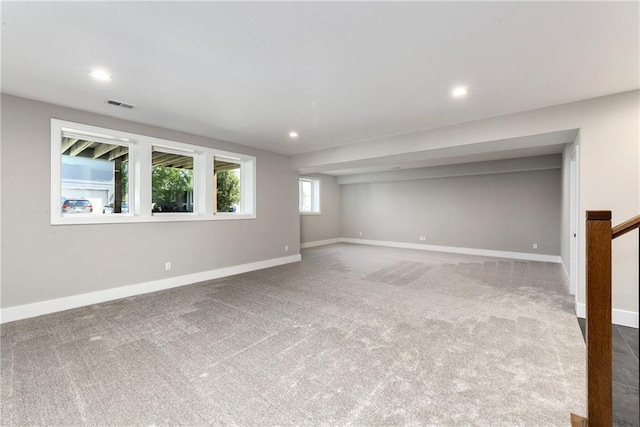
286,248
360,233
535,246
167,266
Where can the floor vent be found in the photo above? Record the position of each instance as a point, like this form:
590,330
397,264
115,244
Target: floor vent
121,104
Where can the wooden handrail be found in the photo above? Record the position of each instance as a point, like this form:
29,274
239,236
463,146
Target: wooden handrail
600,234
625,227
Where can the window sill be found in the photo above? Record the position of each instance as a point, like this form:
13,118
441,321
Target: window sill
130,219
310,213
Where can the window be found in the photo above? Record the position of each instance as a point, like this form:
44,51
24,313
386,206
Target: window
94,175
227,188
103,176
171,182
309,198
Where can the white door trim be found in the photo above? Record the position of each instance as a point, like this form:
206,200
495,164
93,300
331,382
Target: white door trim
574,222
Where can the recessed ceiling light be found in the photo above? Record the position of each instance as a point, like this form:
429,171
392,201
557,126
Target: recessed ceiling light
99,74
459,92
293,134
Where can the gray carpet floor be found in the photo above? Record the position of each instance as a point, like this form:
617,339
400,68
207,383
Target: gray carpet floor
352,335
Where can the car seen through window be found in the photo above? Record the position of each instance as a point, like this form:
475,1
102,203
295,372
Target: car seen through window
70,206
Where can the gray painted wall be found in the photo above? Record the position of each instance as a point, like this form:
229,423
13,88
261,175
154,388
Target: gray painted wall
506,212
325,226
609,168
42,262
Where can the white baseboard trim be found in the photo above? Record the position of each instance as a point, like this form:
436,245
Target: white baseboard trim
25,311
457,250
319,243
618,317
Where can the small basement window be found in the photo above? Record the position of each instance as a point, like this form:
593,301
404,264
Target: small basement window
309,197
171,182
227,179
94,176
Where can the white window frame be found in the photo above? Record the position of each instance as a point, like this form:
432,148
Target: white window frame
140,149
245,202
315,196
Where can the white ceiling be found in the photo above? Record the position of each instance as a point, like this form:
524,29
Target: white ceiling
337,72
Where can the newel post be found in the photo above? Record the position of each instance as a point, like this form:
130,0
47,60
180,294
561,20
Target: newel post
598,313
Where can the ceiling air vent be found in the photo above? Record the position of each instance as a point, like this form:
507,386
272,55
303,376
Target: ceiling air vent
121,104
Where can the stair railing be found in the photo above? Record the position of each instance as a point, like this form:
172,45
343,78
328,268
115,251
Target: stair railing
598,313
